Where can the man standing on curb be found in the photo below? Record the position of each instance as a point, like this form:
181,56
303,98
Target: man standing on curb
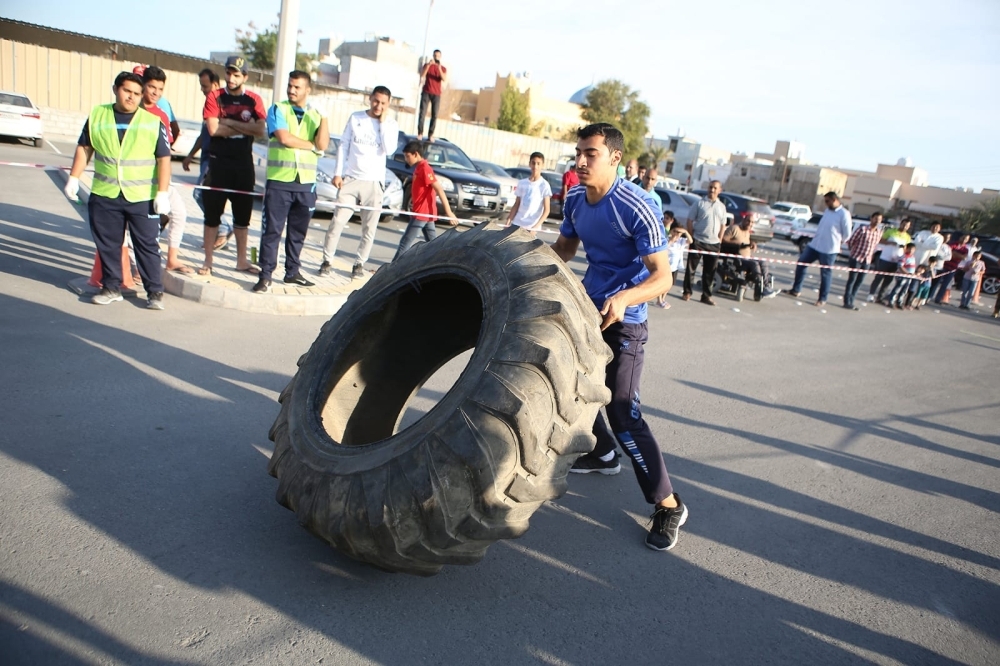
209,82
298,136
834,227
234,116
706,222
131,170
861,245
628,265
368,139
433,75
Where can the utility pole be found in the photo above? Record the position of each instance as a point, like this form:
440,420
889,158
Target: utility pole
427,31
288,42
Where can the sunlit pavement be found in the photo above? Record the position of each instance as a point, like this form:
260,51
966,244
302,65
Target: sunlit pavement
840,468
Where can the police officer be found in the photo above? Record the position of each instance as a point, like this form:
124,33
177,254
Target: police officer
131,169
298,136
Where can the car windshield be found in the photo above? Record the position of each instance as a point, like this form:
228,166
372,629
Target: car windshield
759,207
555,180
15,100
490,169
690,199
781,208
448,157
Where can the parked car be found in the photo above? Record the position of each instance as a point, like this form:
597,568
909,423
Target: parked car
507,182
555,183
806,232
678,203
470,194
742,206
190,131
20,118
326,193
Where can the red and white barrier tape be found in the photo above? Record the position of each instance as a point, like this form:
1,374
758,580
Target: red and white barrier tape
545,231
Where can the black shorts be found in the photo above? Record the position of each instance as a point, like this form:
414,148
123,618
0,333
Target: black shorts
227,175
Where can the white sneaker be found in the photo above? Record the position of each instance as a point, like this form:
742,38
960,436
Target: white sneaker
871,298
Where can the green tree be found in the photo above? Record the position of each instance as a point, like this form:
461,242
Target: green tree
984,218
614,102
514,114
260,46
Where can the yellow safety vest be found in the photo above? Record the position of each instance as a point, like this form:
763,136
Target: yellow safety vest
126,167
284,164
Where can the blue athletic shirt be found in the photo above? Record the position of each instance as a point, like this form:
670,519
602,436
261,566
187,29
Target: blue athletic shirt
616,232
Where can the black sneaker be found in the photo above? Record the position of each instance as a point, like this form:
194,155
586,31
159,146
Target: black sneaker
588,463
106,297
324,268
358,272
155,301
666,525
299,280
263,284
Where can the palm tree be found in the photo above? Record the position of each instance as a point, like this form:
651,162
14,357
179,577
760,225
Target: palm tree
654,156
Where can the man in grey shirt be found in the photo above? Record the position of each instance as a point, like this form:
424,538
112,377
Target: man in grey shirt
706,222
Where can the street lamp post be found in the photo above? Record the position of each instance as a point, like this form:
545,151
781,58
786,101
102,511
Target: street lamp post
427,31
284,60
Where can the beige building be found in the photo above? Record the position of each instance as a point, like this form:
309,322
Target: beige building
554,118
900,189
779,181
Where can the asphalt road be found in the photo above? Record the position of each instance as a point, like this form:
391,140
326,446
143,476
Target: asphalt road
840,469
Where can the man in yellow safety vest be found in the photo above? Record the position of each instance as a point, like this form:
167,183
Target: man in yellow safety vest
131,171
298,135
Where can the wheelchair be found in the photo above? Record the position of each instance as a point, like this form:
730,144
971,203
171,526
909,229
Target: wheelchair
732,278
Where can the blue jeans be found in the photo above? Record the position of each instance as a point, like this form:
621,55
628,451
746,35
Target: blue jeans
968,289
413,229
899,290
854,281
940,286
808,256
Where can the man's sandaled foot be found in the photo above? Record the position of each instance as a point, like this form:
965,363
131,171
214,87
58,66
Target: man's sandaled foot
205,271
249,268
182,269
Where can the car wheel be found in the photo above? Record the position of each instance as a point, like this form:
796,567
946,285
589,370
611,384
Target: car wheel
37,143
495,447
991,285
740,293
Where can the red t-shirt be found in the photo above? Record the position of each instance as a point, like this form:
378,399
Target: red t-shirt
245,108
570,179
432,81
423,198
162,115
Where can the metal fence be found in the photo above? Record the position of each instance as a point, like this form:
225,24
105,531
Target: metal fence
75,82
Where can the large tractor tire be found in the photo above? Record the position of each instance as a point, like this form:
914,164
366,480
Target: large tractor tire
484,458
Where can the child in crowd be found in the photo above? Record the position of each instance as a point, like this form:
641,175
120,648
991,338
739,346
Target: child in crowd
677,244
973,268
921,289
907,268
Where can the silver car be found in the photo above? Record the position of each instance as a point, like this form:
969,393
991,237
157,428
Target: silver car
326,193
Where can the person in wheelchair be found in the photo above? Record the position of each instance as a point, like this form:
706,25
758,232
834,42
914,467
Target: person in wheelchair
751,272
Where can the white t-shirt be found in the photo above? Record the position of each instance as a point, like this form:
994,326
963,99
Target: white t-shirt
364,147
532,195
675,252
927,245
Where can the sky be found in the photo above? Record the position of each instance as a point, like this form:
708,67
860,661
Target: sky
859,82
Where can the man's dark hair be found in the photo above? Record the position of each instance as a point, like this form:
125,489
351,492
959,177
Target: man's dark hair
154,73
212,76
831,195
906,219
909,245
878,212
382,90
538,155
127,76
299,74
436,51
613,138
667,215
414,147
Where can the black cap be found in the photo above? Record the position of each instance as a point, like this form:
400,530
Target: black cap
237,62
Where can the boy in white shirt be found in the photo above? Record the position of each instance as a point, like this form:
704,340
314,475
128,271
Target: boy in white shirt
533,197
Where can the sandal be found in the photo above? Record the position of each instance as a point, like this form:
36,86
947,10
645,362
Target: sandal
183,270
205,271
251,270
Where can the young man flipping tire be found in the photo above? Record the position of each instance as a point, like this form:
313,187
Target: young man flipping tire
618,222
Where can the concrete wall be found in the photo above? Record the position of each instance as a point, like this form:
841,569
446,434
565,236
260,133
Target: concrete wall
67,85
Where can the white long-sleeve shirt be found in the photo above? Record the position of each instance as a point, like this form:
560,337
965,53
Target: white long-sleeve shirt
834,227
928,245
364,147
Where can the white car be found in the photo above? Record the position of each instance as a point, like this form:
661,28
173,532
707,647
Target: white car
326,193
20,118
508,184
789,217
